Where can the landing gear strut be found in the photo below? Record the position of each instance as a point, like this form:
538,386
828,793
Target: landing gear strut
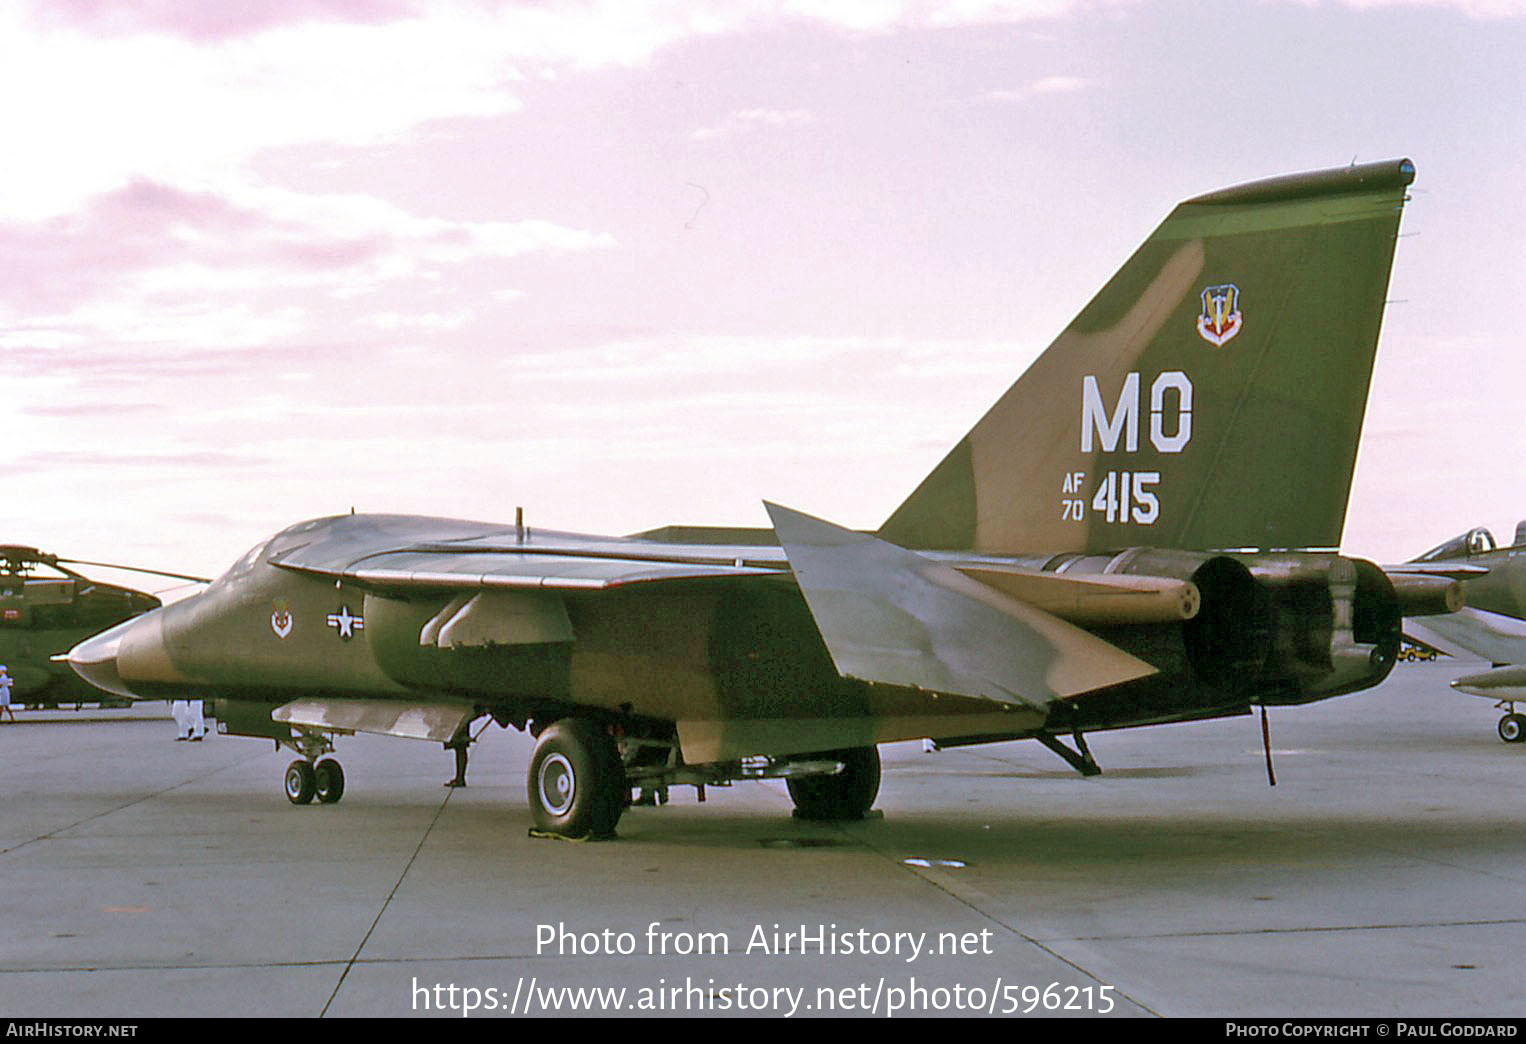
458,743
1079,759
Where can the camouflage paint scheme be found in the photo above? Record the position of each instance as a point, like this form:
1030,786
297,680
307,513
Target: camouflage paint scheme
1124,539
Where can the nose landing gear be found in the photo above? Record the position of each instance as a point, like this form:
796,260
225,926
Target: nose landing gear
313,775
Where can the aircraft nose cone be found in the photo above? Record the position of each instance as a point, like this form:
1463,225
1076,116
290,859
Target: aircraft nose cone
130,659
95,660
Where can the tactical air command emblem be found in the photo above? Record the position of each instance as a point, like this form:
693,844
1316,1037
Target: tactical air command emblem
280,620
1220,319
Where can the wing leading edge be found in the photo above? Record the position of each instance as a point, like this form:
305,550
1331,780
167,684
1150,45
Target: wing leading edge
510,570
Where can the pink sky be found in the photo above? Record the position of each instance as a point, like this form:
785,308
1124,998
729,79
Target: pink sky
629,264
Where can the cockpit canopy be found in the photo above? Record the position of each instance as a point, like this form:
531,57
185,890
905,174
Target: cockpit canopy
1476,541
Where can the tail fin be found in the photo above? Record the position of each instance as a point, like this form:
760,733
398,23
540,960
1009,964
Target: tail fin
1210,396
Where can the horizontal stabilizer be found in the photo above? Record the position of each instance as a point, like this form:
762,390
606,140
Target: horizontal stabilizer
426,721
1452,570
893,616
1472,633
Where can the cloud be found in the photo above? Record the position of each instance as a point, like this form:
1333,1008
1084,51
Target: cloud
187,92
51,460
1477,9
888,15
745,121
91,410
597,31
197,20
1047,85
103,111
155,264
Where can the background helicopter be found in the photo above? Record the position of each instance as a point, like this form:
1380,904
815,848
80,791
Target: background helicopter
45,609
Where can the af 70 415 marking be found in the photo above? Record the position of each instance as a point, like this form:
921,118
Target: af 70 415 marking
1121,496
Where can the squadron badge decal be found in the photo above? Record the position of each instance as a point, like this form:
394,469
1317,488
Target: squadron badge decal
1220,319
280,620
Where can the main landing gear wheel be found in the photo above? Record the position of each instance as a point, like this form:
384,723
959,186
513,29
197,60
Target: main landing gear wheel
847,795
577,781
301,782
1512,728
328,781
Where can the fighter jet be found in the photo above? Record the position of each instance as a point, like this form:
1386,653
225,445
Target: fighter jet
1493,625
1139,531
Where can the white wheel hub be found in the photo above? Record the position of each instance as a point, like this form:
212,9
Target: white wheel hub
556,783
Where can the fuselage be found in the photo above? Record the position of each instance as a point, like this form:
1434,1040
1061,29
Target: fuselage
737,662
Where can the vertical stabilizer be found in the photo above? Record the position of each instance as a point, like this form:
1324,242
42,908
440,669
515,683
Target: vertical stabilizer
1210,396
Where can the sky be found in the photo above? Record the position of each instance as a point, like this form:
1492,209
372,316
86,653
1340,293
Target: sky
627,264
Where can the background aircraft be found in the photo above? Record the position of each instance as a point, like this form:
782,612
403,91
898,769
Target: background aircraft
1085,558
1492,626
46,608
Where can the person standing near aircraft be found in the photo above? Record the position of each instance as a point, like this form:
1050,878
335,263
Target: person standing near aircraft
190,722
5,694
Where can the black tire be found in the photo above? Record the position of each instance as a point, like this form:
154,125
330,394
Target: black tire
300,782
847,795
1512,728
577,782
328,781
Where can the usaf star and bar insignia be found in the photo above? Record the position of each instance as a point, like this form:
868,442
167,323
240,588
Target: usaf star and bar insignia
346,623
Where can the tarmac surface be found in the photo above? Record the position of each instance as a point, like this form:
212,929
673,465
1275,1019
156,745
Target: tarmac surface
1382,876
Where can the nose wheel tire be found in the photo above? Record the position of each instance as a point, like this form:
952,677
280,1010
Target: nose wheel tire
847,795
328,781
1512,728
577,782
301,782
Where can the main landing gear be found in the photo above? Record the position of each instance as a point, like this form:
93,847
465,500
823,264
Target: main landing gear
577,781
581,777
313,775
306,780
847,794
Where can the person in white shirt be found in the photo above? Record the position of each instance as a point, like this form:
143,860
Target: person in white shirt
5,694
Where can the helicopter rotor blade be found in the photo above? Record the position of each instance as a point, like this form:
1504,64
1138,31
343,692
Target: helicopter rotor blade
137,569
